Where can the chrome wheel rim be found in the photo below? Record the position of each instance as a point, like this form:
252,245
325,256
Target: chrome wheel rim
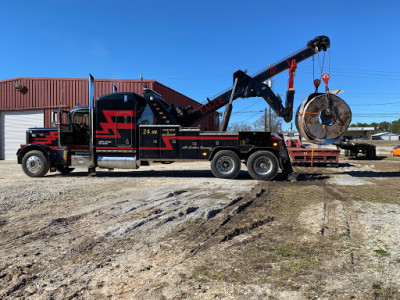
262,165
33,164
225,164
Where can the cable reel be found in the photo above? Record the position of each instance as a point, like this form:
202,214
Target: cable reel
323,117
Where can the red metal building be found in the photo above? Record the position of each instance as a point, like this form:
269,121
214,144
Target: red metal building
28,102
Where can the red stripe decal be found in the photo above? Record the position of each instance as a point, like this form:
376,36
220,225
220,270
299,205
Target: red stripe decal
111,125
48,139
168,145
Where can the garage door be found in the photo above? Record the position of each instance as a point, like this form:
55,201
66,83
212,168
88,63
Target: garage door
13,125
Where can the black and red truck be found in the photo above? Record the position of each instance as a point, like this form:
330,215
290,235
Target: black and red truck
118,131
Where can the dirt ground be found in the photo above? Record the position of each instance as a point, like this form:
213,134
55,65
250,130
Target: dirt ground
176,232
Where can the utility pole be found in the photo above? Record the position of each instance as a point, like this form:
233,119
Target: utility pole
269,120
265,119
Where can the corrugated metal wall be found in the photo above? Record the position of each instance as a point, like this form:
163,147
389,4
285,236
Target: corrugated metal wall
66,93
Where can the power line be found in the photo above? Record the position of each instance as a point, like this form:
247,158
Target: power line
377,104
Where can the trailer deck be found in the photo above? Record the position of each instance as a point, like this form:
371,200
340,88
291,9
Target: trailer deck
311,156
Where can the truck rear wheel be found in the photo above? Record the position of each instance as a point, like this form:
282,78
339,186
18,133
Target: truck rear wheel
262,165
225,164
35,164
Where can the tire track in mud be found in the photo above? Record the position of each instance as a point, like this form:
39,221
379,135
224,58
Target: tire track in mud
340,218
64,244
230,222
145,214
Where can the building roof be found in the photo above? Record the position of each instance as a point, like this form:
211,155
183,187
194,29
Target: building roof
361,129
386,133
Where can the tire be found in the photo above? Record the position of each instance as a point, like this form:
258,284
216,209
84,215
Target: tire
35,164
225,164
263,165
64,169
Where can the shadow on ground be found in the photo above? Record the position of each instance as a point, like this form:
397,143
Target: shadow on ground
369,174
243,175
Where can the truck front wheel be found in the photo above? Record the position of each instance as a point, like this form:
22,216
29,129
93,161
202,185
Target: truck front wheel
35,164
262,165
225,164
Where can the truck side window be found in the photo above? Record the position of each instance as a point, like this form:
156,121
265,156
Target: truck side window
81,118
147,117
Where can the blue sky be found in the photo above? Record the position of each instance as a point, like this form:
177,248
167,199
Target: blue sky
195,46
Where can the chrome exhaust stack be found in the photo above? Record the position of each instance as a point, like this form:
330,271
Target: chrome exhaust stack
92,164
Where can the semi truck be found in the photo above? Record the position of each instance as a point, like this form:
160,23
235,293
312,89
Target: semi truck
125,130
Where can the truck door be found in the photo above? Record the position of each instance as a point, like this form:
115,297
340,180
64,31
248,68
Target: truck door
124,120
115,126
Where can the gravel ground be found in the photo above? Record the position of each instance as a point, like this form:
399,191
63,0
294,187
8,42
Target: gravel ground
142,234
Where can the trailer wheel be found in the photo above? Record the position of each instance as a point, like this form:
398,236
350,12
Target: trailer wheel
35,164
225,164
262,165
64,169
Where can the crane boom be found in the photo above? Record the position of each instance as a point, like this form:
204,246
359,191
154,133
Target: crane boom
254,87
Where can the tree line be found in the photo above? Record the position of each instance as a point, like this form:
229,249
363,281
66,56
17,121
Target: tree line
276,125
384,126
261,124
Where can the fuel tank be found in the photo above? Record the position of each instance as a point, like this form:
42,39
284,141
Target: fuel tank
111,162
323,118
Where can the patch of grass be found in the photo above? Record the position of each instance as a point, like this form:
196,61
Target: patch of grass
376,198
381,292
201,273
382,192
398,260
381,252
380,143
392,158
315,289
303,264
188,227
211,271
284,252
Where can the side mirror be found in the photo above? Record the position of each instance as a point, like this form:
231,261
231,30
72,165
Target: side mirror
54,117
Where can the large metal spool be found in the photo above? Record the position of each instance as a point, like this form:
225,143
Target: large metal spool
322,120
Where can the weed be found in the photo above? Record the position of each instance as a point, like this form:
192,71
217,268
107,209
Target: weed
382,292
284,252
315,289
376,198
305,263
201,273
381,252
